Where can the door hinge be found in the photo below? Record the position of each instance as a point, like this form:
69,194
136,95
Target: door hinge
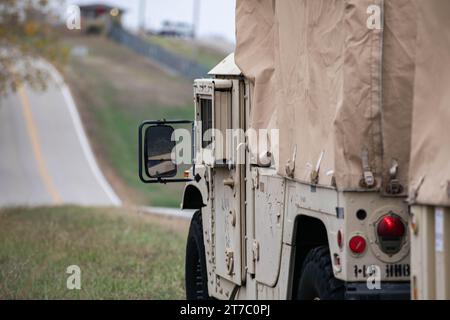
255,179
255,250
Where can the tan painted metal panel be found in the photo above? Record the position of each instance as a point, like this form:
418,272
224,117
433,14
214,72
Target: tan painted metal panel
423,253
269,213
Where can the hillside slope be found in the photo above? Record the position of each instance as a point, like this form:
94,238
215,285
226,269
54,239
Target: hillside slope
115,90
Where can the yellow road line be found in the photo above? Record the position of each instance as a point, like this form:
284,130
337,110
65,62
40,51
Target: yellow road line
34,138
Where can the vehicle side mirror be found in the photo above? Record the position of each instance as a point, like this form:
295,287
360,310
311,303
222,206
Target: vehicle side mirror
158,147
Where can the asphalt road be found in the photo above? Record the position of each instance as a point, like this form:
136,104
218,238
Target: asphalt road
45,158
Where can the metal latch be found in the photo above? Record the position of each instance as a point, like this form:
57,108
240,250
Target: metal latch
394,186
368,179
290,165
315,172
229,260
229,182
414,190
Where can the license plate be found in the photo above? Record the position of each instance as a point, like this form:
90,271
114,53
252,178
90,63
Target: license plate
389,271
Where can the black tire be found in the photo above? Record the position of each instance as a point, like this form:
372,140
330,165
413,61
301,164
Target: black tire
317,280
195,268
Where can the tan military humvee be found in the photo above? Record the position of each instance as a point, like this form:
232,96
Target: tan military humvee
322,160
301,155
260,235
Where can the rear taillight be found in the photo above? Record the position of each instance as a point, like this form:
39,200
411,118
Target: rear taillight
391,226
391,231
357,244
339,239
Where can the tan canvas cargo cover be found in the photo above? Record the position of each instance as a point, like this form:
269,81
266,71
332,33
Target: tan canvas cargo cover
430,154
335,83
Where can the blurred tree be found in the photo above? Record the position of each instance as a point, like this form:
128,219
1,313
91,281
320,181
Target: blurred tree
27,33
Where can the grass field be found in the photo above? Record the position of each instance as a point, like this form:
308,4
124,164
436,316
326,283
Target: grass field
121,255
205,56
116,90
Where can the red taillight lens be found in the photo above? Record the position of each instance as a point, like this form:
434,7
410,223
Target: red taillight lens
339,238
391,233
391,226
357,244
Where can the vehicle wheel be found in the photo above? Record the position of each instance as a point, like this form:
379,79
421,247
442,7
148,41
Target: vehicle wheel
195,273
317,281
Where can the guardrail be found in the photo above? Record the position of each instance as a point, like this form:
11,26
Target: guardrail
176,63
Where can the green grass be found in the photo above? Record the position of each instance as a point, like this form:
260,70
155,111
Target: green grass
121,255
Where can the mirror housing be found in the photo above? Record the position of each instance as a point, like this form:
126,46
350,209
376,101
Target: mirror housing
155,151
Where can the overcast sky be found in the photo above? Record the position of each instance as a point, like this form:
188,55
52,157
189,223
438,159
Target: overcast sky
216,16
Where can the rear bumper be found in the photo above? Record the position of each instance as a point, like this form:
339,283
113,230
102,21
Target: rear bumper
388,291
